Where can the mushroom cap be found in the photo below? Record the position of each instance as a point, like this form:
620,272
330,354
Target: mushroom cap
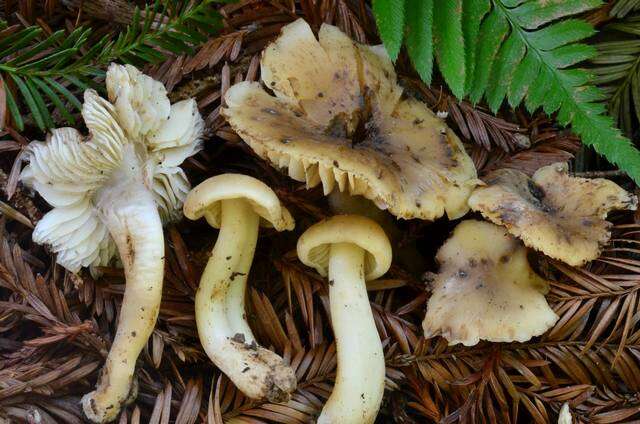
337,119
315,244
71,171
559,215
204,200
486,289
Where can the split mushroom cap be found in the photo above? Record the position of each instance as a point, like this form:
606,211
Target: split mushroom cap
349,250
110,193
486,289
206,200
338,119
236,204
562,216
315,244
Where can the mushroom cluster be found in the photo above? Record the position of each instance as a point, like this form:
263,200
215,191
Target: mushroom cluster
330,113
111,193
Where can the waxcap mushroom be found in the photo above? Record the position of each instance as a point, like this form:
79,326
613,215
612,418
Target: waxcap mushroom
314,245
237,204
111,192
486,289
206,198
338,119
349,250
562,216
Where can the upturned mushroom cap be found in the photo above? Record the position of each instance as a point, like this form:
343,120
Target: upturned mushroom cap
73,173
559,215
486,289
315,244
337,119
205,198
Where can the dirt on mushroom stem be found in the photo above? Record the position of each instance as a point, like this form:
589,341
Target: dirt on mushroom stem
131,215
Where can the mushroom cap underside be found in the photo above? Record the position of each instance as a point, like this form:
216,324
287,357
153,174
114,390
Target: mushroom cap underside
314,246
338,119
205,200
485,289
553,212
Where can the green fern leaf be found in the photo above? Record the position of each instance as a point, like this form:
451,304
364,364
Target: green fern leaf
472,13
493,30
389,16
419,37
527,51
539,48
449,44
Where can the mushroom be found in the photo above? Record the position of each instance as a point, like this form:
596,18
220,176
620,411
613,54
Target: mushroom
350,250
557,214
338,119
405,251
486,289
237,205
111,192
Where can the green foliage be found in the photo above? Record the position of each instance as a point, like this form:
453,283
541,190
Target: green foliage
622,8
390,20
448,38
419,36
44,71
521,51
617,71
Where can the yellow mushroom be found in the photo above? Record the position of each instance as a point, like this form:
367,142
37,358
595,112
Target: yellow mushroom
562,216
350,250
485,289
338,119
237,205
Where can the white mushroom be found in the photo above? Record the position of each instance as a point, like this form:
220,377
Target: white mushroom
351,250
236,204
111,192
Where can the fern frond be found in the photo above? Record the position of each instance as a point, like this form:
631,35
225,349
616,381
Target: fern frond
43,72
617,72
527,51
535,61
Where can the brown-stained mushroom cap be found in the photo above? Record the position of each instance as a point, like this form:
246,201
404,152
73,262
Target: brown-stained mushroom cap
338,119
486,289
315,244
559,215
204,200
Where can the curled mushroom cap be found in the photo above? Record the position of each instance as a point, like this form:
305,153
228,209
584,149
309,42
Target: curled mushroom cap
75,174
559,215
237,204
486,289
350,250
315,244
338,119
207,197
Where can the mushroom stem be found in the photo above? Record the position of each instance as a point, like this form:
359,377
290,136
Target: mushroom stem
132,218
359,385
220,315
